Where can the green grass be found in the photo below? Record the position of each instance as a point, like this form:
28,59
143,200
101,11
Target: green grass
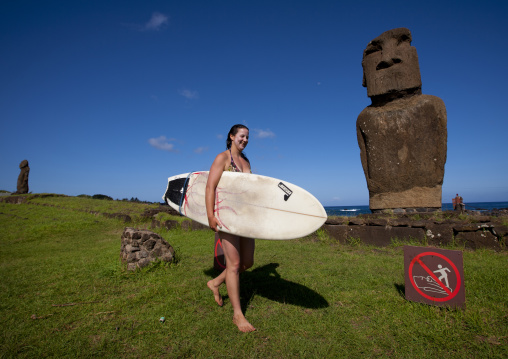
307,298
86,204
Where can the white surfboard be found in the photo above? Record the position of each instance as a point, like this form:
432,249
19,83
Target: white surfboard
248,205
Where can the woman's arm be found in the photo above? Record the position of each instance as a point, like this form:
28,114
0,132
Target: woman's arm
213,179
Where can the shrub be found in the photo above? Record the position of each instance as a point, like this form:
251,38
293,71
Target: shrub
102,196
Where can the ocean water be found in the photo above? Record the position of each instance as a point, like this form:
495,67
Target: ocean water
349,211
352,211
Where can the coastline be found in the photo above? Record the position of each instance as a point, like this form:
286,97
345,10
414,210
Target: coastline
472,208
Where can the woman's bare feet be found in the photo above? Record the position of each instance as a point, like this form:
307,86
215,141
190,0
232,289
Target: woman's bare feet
216,293
242,324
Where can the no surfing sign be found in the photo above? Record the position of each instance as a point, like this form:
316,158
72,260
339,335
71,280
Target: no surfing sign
434,276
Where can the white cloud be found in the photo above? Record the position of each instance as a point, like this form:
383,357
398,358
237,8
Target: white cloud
188,94
162,143
156,21
200,150
263,133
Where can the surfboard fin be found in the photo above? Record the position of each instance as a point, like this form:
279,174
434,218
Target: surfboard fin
175,191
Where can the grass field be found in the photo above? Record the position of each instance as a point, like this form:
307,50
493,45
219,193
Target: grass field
64,293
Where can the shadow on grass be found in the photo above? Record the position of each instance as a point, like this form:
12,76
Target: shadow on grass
401,288
266,282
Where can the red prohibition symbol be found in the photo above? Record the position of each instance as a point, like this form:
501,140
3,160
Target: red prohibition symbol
450,294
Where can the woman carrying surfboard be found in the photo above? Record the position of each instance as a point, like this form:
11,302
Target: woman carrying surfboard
238,251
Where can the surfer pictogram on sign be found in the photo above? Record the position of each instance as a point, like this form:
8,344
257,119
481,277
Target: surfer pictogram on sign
434,276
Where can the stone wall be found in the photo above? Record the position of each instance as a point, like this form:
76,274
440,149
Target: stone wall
186,225
438,229
471,230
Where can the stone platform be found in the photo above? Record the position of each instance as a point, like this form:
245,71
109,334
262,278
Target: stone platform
435,229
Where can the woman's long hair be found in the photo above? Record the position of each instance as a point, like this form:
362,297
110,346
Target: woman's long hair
232,132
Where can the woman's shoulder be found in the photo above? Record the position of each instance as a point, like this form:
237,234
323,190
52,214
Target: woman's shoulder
223,157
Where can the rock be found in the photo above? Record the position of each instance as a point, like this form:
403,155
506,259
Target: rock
377,222
121,216
471,227
142,254
131,249
479,218
465,227
192,225
152,212
143,262
479,239
439,234
131,257
13,199
357,221
384,236
171,224
167,257
149,244
419,224
400,222
499,230
158,250
140,247
337,220
337,232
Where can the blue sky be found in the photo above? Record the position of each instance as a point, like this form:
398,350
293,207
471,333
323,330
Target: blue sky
113,97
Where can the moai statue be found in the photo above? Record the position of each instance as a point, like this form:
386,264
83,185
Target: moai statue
23,177
402,134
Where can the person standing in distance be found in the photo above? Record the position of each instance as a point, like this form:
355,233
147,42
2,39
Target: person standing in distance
238,251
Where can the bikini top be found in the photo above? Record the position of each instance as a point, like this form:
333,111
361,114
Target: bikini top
232,166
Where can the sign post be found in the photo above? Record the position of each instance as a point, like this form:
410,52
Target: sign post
434,276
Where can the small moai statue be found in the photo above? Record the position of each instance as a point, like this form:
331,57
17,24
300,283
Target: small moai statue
402,135
22,186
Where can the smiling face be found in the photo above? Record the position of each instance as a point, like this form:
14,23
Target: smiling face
390,63
240,139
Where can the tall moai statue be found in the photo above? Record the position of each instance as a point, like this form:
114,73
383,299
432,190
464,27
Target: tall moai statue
402,134
22,186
